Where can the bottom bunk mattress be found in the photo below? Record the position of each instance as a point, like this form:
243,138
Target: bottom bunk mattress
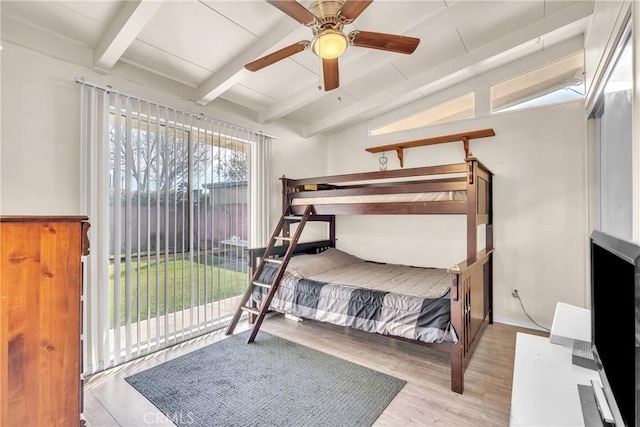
388,299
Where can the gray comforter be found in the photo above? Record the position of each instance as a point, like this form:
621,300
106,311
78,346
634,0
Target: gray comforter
388,299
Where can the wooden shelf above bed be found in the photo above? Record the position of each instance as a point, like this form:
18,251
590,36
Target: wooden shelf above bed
464,137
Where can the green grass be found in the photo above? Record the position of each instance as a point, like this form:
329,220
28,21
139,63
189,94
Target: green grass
166,287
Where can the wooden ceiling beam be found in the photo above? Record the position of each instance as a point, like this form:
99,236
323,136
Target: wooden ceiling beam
122,31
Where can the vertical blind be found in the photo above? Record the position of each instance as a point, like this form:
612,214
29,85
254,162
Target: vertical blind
174,199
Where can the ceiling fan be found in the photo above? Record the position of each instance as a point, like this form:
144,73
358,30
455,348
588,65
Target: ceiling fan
326,18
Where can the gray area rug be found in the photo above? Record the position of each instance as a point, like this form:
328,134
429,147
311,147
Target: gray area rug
271,382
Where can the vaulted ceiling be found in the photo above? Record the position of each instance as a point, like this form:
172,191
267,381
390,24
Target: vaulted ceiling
201,47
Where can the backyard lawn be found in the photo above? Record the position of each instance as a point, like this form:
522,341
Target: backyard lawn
173,285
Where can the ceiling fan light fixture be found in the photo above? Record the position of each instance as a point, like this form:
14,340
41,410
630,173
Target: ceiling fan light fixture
326,19
329,44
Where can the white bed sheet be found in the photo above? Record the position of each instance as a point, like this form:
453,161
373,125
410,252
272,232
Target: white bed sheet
433,196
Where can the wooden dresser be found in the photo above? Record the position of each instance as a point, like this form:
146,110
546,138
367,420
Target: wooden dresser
41,320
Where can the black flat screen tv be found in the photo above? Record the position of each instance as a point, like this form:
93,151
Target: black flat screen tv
615,323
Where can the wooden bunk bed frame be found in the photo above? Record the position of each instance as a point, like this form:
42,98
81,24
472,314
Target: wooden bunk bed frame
471,280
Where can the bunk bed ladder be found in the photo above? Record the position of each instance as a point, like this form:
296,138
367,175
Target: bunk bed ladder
291,242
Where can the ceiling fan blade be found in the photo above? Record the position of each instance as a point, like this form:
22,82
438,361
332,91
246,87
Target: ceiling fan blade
382,41
351,9
330,73
294,10
276,56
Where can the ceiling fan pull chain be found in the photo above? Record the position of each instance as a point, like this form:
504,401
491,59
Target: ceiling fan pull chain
320,84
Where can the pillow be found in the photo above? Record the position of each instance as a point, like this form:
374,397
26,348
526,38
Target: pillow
310,265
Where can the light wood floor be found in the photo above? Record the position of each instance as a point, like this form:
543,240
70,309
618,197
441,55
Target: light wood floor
426,399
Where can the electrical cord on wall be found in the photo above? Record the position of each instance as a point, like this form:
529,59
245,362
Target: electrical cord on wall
517,295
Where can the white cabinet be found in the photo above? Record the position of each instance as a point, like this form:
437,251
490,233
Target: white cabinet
545,384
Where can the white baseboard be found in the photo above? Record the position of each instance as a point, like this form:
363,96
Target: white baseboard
520,324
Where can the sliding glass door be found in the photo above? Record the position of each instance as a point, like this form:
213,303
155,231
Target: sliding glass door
168,200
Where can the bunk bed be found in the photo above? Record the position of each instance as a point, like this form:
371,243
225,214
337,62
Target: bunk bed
452,189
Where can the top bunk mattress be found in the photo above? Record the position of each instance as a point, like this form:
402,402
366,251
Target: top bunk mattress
432,196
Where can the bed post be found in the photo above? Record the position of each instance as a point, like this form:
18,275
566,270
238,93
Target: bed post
472,211
457,321
485,216
332,230
489,233
471,291
488,273
286,231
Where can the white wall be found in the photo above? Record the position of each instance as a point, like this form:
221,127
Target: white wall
540,242
538,157
40,151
